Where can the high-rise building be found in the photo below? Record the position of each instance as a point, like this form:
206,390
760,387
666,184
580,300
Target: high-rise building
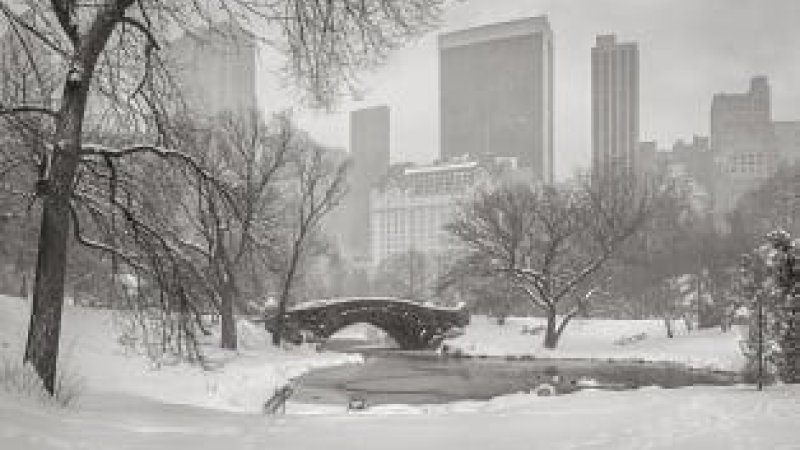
742,141
496,93
615,106
369,151
741,123
216,71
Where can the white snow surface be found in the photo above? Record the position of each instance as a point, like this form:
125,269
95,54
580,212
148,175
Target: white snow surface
689,419
240,381
127,405
604,339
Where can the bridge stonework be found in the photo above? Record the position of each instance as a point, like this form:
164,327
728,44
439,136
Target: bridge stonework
412,325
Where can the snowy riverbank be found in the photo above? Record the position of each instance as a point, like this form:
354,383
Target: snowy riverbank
240,381
602,339
702,418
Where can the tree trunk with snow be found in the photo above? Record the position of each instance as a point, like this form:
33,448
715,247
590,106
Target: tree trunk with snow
228,335
551,332
668,327
55,188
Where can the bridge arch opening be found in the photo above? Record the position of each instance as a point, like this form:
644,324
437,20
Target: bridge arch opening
362,334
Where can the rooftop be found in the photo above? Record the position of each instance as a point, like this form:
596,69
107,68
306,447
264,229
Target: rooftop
609,41
495,31
440,167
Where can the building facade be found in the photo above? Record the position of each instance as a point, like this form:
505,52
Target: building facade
743,144
410,208
216,71
369,152
496,93
615,106
787,140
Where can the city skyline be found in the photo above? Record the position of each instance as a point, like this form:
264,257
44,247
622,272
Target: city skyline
682,67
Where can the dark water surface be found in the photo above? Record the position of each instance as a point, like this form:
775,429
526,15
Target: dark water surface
393,376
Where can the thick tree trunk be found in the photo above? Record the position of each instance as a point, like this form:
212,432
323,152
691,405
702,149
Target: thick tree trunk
226,283
228,338
55,189
48,293
551,333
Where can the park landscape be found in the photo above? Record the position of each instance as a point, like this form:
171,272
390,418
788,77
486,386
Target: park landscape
183,267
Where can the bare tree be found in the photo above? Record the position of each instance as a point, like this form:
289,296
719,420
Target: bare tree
318,183
111,49
550,243
249,156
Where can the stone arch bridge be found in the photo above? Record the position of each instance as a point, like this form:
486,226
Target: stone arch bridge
411,324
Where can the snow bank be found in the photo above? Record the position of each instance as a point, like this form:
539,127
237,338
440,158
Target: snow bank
242,381
602,339
702,418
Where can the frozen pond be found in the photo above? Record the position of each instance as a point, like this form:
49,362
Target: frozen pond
393,376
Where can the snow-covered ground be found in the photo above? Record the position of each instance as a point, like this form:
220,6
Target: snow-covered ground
90,350
692,418
603,339
126,405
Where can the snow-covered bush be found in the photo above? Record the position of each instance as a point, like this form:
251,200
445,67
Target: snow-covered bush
771,285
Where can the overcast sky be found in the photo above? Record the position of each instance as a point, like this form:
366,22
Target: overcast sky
689,50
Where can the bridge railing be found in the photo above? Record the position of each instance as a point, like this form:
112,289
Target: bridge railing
320,303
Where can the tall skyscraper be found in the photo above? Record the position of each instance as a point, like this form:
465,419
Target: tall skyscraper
369,150
496,93
615,106
217,72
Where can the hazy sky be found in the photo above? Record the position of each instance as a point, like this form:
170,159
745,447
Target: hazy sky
689,50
